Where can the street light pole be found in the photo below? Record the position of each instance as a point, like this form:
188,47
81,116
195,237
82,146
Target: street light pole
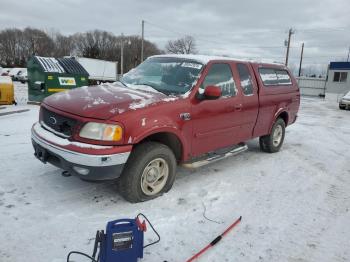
301,58
290,32
142,37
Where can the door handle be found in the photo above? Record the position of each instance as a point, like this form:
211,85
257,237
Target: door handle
238,107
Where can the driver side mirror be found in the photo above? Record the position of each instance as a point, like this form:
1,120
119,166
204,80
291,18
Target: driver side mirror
212,92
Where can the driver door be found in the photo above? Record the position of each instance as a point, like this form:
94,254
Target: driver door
216,123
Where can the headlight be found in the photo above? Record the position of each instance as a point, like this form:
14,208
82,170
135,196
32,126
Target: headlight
99,131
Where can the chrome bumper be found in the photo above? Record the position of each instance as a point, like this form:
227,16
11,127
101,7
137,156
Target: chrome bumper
80,158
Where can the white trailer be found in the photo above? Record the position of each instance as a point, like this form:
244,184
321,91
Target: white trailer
99,70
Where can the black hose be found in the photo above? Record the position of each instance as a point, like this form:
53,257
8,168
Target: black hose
82,254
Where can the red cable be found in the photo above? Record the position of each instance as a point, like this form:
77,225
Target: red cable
215,241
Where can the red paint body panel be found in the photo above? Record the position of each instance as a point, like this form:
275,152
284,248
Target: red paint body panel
213,124
275,100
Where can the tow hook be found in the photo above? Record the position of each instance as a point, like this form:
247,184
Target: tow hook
66,174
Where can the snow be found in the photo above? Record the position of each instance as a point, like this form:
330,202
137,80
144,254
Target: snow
205,59
143,88
295,204
99,101
168,99
50,64
5,80
139,104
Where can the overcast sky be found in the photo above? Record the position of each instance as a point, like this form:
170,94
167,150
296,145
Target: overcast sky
243,29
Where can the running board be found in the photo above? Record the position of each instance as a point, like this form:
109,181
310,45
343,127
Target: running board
216,157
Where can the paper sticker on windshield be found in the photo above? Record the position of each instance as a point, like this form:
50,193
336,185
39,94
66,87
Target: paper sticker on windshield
191,65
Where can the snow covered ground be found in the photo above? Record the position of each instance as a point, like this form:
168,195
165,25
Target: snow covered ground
295,203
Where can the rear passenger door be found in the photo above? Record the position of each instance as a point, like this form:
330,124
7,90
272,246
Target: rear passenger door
250,99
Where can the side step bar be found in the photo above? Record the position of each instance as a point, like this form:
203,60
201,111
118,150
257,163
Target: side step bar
216,157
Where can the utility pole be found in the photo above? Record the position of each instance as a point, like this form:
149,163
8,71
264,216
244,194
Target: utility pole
122,56
347,60
142,37
301,58
290,32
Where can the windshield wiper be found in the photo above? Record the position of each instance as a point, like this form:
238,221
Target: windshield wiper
122,83
150,85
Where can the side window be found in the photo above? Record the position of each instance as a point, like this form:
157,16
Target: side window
340,76
246,79
220,75
273,77
268,76
283,77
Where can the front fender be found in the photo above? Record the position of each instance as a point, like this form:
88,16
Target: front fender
164,129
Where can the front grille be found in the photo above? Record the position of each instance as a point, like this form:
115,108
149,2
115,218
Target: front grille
60,124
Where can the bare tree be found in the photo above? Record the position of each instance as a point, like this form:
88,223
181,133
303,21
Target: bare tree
64,45
185,45
16,46
10,46
104,45
37,42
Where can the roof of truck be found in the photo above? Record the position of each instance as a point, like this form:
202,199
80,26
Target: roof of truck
204,59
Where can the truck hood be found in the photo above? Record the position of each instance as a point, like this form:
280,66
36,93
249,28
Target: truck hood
104,101
346,96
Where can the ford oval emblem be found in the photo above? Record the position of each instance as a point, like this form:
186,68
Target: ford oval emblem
53,120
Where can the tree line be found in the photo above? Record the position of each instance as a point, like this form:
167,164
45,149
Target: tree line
17,46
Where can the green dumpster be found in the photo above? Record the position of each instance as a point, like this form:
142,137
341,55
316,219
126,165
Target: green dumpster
48,75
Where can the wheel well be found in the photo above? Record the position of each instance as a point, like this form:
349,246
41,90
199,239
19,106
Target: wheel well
284,116
168,139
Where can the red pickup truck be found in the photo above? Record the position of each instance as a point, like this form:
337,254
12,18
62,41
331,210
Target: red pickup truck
171,109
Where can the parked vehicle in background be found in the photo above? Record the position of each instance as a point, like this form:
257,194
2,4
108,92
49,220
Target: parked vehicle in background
99,70
170,110
22,76
14,73
6,71
344,102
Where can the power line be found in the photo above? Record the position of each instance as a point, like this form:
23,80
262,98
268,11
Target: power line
200,38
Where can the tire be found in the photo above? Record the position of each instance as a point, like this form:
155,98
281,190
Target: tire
149,163
268,143
342,107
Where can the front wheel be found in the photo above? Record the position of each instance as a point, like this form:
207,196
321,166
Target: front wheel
272,143
149,172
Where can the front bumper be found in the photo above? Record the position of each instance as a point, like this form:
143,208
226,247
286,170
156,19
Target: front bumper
87,161
344,103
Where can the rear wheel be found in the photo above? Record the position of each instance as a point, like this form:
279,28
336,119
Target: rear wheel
149,172
272,143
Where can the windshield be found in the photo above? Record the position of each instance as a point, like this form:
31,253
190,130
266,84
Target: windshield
171,76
